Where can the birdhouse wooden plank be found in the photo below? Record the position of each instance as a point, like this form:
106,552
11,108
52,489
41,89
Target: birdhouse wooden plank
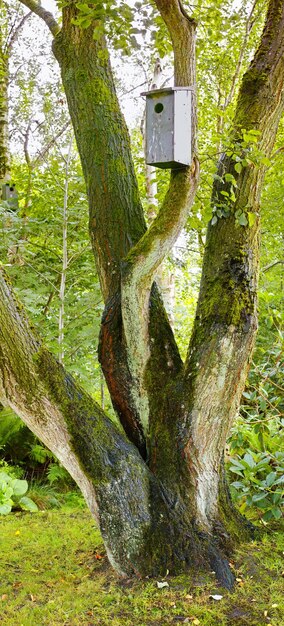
168,127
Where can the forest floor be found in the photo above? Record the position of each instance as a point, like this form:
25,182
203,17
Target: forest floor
54,571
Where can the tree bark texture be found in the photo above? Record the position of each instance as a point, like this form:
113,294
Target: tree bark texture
4,76
159,491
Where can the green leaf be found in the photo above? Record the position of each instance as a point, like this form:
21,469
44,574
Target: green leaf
214,220
242,220
267,516
230,179
276,512
5,509
265,161
251,218
258,497
238,167
249,460
28,505
4,478
279,481
270,479
20,487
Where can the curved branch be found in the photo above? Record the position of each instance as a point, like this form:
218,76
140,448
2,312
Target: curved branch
139,269
45,15
106,467
140,265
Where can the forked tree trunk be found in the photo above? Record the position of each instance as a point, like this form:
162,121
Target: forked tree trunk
159,494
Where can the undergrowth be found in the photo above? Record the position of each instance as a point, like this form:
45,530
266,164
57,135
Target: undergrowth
55,572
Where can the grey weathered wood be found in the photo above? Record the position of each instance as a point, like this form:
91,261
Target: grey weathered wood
10,194
168,127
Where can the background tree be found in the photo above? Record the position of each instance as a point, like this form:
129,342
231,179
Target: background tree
160,496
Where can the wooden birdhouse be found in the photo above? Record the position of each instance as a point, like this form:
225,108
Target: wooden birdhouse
10,195
168,127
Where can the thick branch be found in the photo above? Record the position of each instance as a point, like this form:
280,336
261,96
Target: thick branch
100,459
140,266
45,15
182,32
144,259
226,316
116,215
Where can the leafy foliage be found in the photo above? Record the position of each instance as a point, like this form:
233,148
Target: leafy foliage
260,483
12,495
257,437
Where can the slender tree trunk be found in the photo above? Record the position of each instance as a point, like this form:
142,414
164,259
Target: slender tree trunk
4,78
64,256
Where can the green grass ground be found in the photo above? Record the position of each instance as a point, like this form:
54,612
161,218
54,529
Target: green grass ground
54,571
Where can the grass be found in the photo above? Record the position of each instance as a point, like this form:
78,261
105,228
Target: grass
54,572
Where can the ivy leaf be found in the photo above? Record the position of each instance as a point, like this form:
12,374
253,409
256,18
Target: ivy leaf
251,218
242,220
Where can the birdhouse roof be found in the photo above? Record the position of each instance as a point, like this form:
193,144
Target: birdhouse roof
164,90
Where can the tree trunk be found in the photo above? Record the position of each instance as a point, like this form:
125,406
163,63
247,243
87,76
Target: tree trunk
4,143
159,494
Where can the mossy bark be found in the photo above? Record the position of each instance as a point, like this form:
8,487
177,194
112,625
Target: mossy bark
161,500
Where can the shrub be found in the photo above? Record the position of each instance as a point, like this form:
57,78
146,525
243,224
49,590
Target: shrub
260,483
12,495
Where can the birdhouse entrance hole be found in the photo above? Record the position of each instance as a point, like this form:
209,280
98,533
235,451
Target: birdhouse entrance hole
159,107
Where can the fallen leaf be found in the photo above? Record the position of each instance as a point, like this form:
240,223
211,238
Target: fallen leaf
188,597
17,585
216,597
265,613
32,597
4,597
274,606
18,532
162,585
